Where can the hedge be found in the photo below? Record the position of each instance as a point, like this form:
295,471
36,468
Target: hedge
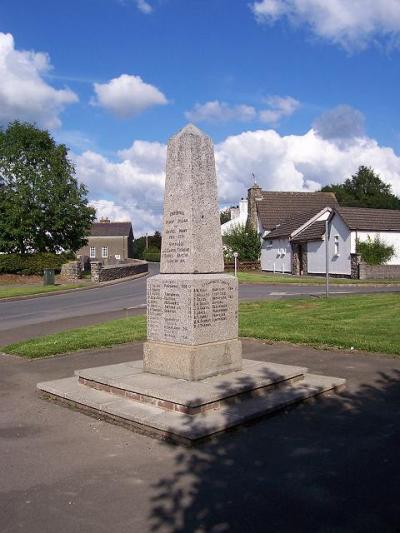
31,264
152,255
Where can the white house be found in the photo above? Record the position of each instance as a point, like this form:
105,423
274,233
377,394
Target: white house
297,246
238,216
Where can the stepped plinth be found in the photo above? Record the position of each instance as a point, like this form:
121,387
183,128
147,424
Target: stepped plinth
192,382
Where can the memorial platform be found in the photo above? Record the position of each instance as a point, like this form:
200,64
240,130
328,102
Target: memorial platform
183,411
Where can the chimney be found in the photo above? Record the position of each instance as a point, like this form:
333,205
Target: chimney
105,220
254,194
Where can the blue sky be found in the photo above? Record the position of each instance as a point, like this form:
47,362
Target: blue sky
298,91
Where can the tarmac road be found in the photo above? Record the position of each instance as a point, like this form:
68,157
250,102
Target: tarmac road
27,318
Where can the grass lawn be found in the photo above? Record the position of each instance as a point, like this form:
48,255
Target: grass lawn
370,322
262,277
29,290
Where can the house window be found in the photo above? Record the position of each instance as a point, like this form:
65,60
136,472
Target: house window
118,257
92,252
336,244
104,252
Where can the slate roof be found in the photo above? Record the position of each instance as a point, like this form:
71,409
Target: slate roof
315,232
276,207
367,219
291,223
111,229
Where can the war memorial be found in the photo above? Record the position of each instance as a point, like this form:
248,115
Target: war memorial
193,381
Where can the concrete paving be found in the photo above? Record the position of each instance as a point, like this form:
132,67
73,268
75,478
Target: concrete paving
328,466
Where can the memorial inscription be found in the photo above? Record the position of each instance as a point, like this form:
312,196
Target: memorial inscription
191,305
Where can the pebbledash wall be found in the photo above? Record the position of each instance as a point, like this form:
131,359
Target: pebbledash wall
276,255
130,267
340,262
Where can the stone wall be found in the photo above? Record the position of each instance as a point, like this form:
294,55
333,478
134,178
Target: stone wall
242,266
379,271
296,270
131,267
71,271
355,265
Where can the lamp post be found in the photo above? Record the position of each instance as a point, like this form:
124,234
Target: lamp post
235,255
326,216
327,256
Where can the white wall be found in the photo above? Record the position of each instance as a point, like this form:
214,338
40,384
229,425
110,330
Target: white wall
279,254
241,219
388,237
338,264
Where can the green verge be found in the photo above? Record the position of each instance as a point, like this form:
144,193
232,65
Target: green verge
10,292
97,336
370,322
261,277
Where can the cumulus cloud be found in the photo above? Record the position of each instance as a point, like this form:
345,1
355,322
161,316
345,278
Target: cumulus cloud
352,24
127,95
24,94
144,7
297,162
216,111
278,107
342,123
134,184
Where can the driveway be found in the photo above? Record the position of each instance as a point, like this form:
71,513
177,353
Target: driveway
325,466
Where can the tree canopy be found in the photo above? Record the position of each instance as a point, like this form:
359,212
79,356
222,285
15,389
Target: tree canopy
364,189
42,206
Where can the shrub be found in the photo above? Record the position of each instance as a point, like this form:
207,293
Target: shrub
374,252
32,264
244,240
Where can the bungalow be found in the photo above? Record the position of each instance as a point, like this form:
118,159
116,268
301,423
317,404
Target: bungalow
293,232
108,242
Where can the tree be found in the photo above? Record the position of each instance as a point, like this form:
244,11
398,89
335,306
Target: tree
245,241
364,189
224,215
375,252
139,244
42,206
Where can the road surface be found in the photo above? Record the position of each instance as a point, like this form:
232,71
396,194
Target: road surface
38,316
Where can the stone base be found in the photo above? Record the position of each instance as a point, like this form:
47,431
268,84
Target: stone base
192,363
182,411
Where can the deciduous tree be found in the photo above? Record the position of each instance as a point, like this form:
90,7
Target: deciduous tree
42,206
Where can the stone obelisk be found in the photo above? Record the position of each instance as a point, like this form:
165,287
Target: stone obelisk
192,306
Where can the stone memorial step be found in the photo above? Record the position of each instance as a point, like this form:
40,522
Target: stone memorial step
130,381
171,424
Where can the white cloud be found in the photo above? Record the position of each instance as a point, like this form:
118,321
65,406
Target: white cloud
278,108
127,95
149,156
144,7
134,185
215,111
352,24
297,162
24,94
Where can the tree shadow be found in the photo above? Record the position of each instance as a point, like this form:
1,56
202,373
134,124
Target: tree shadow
331,466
